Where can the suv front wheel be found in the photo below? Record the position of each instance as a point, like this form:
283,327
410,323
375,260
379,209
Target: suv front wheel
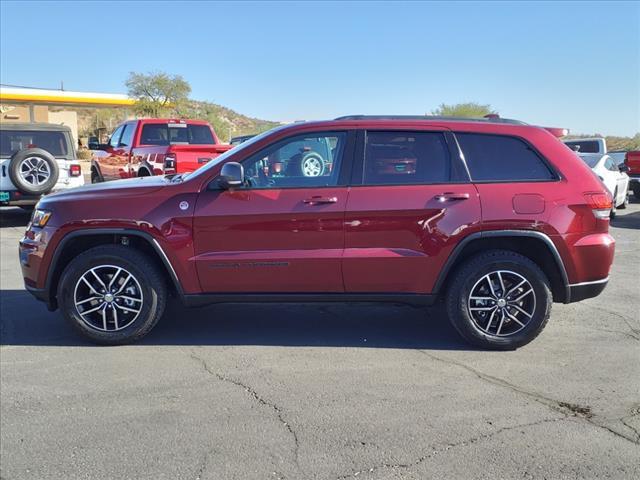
499,300
112,294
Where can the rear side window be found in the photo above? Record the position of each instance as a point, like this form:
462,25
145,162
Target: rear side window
393,158
176,133
12,141
502,158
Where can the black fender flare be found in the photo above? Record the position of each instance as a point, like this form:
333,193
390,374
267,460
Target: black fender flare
446,269
107,231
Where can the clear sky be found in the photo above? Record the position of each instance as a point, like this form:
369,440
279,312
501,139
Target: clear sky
573,64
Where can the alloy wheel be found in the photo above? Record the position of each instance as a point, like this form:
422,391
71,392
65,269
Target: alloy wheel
312,167
34,171
108,298
501,303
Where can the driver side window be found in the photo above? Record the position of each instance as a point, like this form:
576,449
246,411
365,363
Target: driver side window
114,141
310,160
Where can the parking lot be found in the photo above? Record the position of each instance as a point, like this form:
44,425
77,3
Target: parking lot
329,391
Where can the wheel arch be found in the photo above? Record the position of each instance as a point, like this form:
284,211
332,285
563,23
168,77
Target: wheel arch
76,242
145,171
96,168
536,246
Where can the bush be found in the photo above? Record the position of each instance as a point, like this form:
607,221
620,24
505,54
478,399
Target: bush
84,154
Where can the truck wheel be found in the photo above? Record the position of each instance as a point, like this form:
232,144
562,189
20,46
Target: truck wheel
624,204
33,171
112,294
499,300
312,165
636,191
95,176
614,208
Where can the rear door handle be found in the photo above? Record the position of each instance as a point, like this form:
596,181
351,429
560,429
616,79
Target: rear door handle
318,200
446,196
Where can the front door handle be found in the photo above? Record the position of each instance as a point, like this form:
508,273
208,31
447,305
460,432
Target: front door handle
447,196
319,200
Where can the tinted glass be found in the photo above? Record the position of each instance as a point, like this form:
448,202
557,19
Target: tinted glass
127,135
501,158
12,141
303,161
587,146
591,160
609,164
176,133
115,137
406,158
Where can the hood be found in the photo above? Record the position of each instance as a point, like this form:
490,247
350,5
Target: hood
130,186
104,191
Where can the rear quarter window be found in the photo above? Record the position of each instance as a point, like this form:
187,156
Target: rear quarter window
502,158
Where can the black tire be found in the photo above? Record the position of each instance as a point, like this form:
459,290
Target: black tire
151,281
636,192
614,209
95,176
21,161
626,201
470,274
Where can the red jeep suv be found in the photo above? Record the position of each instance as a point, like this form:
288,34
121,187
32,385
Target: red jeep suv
497,218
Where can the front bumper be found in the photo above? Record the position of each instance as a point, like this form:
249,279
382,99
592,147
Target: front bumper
41,294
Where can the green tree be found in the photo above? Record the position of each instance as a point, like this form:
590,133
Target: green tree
469,110
157,93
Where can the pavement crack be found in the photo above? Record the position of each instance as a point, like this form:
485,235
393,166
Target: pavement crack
566,408
260,400
635,332
440,448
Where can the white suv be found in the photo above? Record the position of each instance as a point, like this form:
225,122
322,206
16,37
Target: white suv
35,159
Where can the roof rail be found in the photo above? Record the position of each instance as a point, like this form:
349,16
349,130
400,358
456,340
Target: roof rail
487,119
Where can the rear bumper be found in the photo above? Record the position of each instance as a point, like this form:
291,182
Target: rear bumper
582,291
20,199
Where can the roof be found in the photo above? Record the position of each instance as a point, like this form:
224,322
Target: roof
42,127
432,117
62,97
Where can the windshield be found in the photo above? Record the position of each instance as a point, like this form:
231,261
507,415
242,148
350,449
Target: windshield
244,145
591,160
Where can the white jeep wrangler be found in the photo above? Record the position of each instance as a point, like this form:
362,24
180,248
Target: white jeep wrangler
35,159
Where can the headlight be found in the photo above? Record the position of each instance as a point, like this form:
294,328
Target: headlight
40,218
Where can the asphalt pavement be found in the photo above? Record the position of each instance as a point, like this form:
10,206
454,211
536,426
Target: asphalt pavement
331,391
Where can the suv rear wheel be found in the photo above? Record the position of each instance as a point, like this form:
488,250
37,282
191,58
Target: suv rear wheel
499,300
112,294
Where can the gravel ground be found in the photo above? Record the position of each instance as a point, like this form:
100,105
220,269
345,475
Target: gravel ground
322,391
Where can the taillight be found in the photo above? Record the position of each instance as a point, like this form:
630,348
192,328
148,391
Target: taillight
75,170
170,163
600,203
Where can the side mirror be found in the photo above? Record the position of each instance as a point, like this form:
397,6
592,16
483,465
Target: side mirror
231,175
623,168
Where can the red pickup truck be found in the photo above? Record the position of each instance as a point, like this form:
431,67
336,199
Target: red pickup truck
141,148
632,161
